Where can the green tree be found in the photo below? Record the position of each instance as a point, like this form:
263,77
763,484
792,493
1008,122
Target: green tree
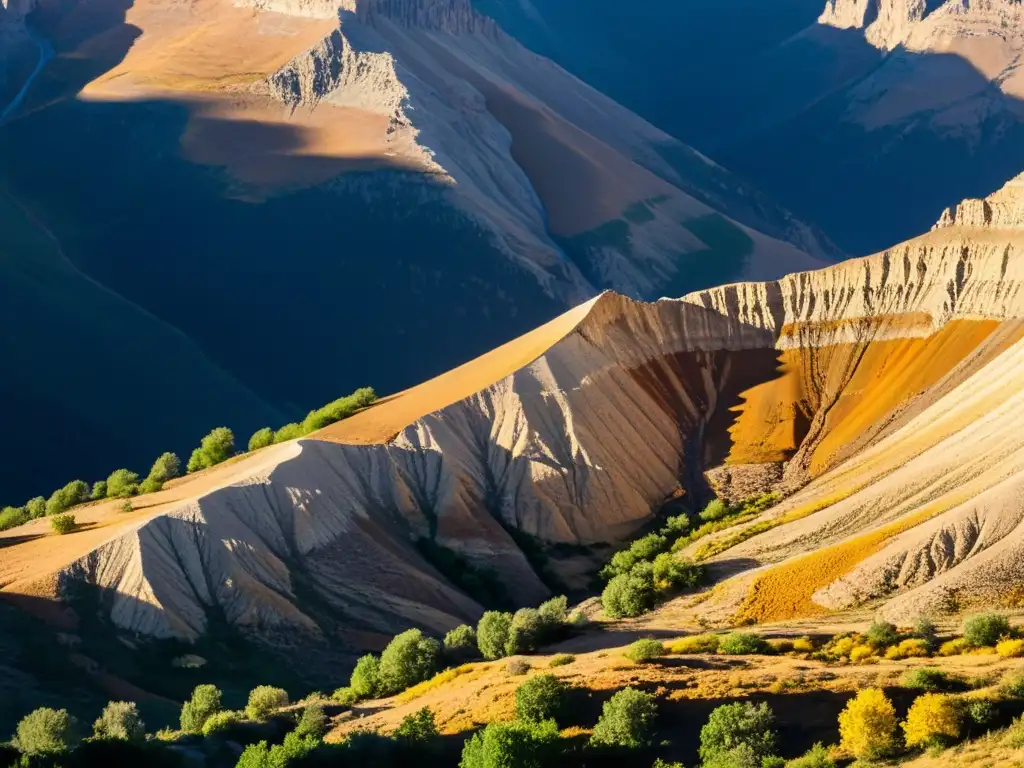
734,725
166,467
409,658
216,447
365,680
47,732
36,507
525,632
986,629
205,703
150,485
11,517
261,438
882,634
99,490
417,728
642,550
554,611
289,432
645,650
629,594
541,698
220,722
674,573
122,483
492,634
120,720
627,719
313,722
510,745
816,757
743,643
265,700
461,642
75,492
294,749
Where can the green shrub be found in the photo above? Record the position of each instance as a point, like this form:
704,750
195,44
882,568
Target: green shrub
99,490
675,573
626,720
149,485
510,745
981,712
261,438
36,507
1014,736
75,492
1012,685
525,632
62,524
166,467
492,634
410,658
265,700
417,728
561,660
346,697
220,722
365,680
203,705
289,432
122,483
554,611
926,679
715,511
644,650
642,550
294,749
461,642
735,725
743,643
217,446
628,595
925,629
120,720
12,517
986,629
313,722
676,526
541,698
47,732
659,763
816,757
882,634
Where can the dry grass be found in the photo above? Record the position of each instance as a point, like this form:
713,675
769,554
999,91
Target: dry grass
468,671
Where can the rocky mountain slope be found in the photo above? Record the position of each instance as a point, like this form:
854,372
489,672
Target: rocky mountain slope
881,395
233,161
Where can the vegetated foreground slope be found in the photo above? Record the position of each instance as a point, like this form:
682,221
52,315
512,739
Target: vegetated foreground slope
272,178
890,383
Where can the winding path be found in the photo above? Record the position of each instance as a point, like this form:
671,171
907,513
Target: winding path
45,54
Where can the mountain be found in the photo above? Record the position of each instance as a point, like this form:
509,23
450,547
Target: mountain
879,397
862,116
365,188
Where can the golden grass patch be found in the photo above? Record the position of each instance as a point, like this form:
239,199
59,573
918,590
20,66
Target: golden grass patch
468,671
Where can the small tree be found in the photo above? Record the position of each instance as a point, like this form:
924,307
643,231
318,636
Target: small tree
150,485
628,595
417,728
645,650
121,484
492,634
461,642
675,573
986,629
264,700
205,703
510,745
365,680
816,757
62,524
36,507
11,517
540,698
410,658
220,722
867,726
216,447
735,725
925,629
934,719
525,632
166,467
289,432
882,634
99,490
120,720
75,492
261,438
554,611
743,643
626,720
47,732
313,722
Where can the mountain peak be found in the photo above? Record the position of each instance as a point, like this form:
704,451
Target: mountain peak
1003,209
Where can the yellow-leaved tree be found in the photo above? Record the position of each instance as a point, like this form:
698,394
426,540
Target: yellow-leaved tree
933,719
868,725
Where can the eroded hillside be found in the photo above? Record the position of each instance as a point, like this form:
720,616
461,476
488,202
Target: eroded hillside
882,394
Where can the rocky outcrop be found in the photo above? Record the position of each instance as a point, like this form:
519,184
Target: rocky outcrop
1002,210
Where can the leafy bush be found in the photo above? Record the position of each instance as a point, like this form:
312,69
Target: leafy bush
925,629
675,526
742,724
743,643
953,647
47,732
120,720
461,642
1014,737
220,722
517,667
365,679
561,659
1012,685
289,432
926,679
217,446
981,712
166,467
12,517
803,645
642,550
417,728
695,644
627,595
203,705
345,696
261,438
986,629
659,763
510,745
715,511
294,749
409,658
540,698
150,485
644,650
122,483
265,700
1010,649
867,726
674,573
525,632
75,492
882,634
62,524
492,634
626,720
934,719
35,507
99,490
910,648
553,611
313,722
816,757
